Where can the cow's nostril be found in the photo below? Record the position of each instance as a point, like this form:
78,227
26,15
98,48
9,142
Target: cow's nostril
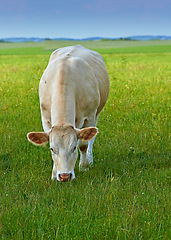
65,177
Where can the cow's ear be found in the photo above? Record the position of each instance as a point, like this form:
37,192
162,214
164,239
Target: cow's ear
87,134
38,138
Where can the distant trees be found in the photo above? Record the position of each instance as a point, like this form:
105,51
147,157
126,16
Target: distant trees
48,39
116,39
125,39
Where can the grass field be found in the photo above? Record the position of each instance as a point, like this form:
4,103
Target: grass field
126,194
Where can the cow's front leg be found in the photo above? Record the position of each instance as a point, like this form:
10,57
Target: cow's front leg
90,151
84,163
54,172
86,153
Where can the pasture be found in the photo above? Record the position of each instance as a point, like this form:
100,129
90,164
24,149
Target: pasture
126,193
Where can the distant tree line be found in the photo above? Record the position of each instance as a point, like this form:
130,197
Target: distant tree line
48,39
117,39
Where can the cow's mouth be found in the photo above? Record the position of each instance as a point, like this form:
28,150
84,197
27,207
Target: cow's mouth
65,177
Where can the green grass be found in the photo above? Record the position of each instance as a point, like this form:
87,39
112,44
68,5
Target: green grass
101,46
125,195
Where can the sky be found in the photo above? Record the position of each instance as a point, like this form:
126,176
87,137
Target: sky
84,18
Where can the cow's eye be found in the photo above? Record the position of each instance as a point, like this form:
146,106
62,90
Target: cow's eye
73,150
52,150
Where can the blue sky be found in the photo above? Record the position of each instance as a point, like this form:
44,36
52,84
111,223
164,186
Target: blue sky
84,18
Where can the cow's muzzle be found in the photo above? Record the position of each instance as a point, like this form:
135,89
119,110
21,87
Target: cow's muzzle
65,177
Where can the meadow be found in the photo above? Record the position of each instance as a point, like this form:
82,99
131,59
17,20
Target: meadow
126,193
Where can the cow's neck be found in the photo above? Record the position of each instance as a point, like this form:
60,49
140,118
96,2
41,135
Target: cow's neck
63,104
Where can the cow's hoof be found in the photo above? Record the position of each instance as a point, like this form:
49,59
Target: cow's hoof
84,167
53,177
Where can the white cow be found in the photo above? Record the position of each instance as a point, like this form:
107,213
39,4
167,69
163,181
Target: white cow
73,90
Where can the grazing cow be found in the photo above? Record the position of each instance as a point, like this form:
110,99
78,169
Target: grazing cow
73,90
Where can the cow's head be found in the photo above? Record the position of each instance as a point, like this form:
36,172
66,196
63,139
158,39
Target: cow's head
63,142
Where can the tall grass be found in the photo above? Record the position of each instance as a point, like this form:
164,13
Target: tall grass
125,195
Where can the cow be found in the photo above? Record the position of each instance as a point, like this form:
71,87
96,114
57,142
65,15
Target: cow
73,91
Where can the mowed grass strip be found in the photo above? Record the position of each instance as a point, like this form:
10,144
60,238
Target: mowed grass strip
125,195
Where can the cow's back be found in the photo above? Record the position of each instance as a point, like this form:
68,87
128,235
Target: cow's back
74,76
76,51
95,62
